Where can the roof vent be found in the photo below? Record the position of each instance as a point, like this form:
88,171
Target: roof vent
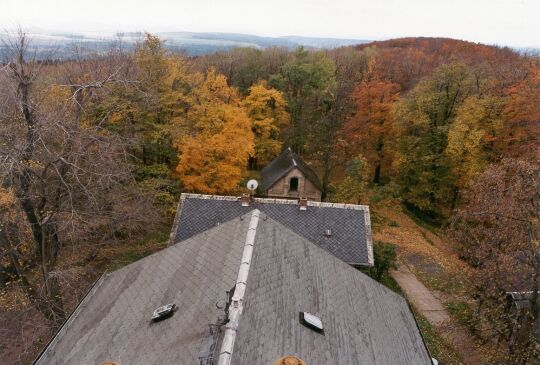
163,312
311,321
289,360
245,199
328,232
302,203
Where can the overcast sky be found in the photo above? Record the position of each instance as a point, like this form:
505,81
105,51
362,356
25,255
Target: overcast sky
502,22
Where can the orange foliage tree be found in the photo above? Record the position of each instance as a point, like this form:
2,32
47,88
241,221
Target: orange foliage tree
523,114
369,131
213,155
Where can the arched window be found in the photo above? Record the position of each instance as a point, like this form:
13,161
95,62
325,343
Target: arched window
293,184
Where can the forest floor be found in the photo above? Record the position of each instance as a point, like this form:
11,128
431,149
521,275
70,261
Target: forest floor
434,280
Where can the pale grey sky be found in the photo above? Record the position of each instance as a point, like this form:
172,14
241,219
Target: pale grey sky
502,22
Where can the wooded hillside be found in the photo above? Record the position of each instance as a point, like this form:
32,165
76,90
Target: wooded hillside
95,151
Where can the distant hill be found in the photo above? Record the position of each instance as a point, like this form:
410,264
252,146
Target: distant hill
446,47
60,45
406,60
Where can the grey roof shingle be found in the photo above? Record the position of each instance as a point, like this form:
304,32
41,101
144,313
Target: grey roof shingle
349,224
282,164
113,323
364,322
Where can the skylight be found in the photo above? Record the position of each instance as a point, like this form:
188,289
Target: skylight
163,312
311,321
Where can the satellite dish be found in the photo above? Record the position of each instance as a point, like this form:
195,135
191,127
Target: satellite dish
252,184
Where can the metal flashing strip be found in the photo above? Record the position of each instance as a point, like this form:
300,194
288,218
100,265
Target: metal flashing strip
176,221
311,203
369,238
236,307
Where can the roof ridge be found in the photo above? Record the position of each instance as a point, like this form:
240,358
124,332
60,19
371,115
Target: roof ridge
236,306
291,152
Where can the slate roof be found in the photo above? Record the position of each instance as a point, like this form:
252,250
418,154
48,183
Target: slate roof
284,163
364,322
113,323
350,224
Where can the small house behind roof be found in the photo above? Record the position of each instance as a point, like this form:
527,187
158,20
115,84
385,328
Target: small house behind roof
288,176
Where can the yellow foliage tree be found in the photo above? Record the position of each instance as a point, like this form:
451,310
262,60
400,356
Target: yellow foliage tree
159,100
213,156
151,61
266,109
473,137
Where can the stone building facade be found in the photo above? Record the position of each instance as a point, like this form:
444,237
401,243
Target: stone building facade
288,176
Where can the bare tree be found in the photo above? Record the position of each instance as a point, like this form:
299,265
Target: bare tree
499,233
67,171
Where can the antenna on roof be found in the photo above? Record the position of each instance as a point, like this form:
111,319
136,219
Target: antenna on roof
252,185
246,199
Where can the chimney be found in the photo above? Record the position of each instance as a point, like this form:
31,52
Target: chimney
245,199
302,203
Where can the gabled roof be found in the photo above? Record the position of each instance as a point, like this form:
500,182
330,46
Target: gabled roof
284,163
349,224
364,322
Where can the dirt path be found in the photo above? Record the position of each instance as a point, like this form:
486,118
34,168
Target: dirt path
432,308
420,297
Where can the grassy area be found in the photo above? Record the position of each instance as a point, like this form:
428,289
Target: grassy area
127,258
125,254
437,346
441,282
464,313
390,283
421,219
379,221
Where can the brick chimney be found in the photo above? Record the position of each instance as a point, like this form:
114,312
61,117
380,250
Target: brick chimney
302,203
245,199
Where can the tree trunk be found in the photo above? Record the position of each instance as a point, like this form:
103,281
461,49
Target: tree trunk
50,247
379,150
455,195
49,310
377,175
327,166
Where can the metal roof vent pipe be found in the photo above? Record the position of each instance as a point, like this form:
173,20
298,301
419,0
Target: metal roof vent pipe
245,199
302,203
328,232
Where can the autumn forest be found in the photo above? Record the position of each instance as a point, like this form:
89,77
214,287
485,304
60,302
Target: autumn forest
96,150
